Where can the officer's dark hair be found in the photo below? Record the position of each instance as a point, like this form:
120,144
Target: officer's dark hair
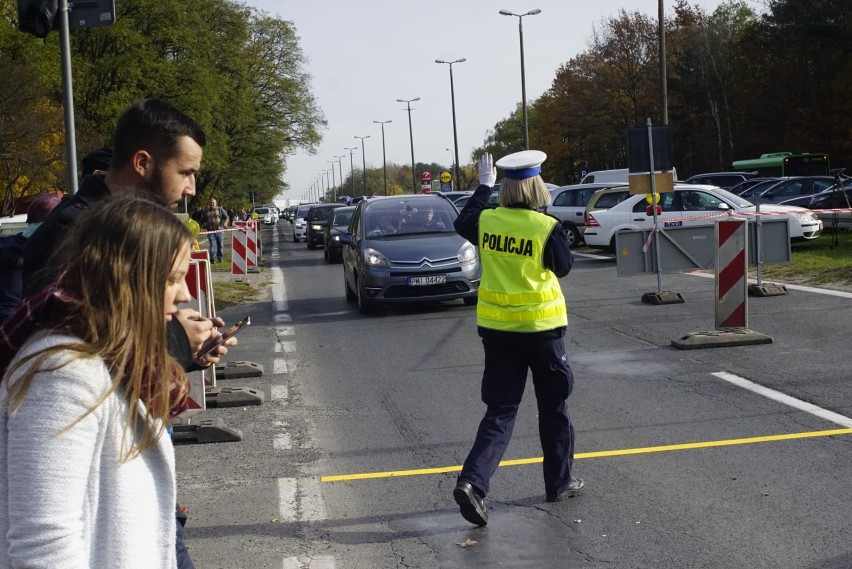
155,126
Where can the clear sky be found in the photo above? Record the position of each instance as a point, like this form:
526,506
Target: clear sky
364,55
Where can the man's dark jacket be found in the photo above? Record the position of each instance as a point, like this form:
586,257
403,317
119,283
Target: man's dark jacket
41,267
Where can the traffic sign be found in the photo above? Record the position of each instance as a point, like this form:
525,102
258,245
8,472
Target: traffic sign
446,177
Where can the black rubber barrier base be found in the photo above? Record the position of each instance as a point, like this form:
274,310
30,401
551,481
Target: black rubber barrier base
664,297
233,370
720,339
203,430
215,397
767,289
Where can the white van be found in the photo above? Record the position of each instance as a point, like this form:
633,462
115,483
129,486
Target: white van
619,176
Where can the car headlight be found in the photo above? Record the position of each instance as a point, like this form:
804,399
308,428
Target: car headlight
467,253
316,227
375,259
336,238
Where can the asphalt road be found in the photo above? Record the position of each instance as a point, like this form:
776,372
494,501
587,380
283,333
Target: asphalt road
351,462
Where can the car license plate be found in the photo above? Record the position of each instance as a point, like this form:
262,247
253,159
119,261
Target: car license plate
426,281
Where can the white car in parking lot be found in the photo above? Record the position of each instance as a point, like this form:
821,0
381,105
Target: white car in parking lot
690,205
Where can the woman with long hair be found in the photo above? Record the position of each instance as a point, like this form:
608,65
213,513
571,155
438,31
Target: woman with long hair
86,395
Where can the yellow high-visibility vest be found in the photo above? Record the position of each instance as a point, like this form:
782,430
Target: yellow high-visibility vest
517,293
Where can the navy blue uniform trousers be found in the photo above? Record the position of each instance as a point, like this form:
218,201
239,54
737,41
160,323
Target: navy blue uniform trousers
508,356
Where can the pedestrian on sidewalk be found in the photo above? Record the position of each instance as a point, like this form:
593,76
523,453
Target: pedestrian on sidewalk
214,220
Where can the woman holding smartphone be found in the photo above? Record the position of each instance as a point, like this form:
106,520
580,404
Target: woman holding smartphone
87,392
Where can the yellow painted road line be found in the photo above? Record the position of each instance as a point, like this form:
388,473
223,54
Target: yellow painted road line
596,454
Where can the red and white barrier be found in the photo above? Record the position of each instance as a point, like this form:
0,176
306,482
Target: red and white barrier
731,274
244,247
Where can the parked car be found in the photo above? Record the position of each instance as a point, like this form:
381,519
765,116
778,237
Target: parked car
725,180
604,199
266,215
493,199
683,207
390,255
834,197
316,220
568,203
338,224
792,187
754,187
299,224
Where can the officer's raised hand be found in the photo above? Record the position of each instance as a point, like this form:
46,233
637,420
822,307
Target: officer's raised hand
487,171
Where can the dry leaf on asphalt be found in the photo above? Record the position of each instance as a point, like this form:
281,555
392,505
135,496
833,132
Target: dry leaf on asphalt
467,543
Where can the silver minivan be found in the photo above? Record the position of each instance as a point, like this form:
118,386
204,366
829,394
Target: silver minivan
568,203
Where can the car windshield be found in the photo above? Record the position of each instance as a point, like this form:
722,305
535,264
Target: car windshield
731,198
341,217
409,217
318,213
302,211
261,211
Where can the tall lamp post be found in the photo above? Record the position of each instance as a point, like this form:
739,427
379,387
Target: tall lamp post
411,135
453,101
333,182
664,103
384,159
364,161
340,166
523,77
352,167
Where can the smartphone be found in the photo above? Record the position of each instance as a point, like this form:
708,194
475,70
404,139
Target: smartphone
212,344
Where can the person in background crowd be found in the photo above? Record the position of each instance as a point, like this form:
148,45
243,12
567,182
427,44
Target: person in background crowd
87,389
96,162
232,216
521,317
214,220
157,150
12,252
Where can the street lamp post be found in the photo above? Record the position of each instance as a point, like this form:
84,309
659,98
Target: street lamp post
523,78
411,135
352,168
333,182
384,159
364,161
340,166
664,103
453,102
326,179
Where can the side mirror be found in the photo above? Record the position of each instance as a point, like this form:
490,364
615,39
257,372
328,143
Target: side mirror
346,239
723,206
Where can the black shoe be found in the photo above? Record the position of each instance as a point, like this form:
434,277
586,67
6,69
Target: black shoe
470,503
572,490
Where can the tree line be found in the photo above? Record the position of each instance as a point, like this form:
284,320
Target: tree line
237,71
740,84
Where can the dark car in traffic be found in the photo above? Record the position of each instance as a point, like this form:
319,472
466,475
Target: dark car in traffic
338,224
403,249
316,220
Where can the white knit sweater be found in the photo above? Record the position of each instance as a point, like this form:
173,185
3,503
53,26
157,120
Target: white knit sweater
67,501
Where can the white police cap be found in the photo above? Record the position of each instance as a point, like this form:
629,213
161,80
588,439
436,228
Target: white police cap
522,165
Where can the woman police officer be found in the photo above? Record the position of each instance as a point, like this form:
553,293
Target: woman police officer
521,318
